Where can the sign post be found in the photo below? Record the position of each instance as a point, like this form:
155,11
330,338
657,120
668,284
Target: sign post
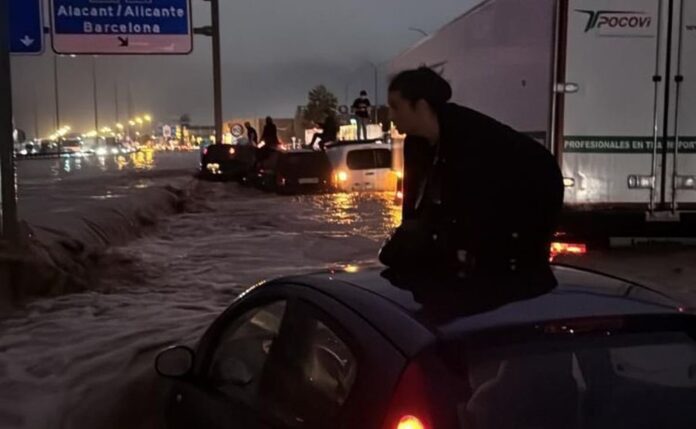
121,27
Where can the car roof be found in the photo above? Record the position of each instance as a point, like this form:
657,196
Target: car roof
451,311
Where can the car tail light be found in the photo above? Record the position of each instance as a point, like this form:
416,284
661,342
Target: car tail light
410,422
410,407
280,181
232,151
560,248
205,151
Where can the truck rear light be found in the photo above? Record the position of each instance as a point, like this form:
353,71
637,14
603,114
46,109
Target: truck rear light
410,407
641,182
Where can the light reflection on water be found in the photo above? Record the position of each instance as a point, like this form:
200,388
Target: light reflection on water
373,215
143,160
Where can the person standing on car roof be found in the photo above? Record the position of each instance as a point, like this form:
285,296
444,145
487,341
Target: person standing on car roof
270,134
361,110
329,131
252,135
479,197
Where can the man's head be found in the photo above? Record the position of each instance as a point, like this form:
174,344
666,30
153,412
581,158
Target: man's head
247,124
415,97
363,94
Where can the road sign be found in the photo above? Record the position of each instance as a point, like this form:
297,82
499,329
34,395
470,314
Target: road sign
26,27
166,131
121,26
237,130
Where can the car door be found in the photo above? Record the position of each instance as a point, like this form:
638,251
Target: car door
333,371
385,179
223,392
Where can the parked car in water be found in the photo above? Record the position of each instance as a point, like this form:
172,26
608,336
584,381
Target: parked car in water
362,167
225,161
374,349
294,172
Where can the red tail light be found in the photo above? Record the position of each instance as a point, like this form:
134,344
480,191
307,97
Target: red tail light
558,248
410,422
410,407
205,151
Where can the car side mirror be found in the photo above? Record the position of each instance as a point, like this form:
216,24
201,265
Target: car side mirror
175,362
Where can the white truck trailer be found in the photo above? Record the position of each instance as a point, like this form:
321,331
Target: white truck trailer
608,86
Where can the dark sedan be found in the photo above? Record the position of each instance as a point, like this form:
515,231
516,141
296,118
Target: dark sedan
295,172
367,348
225,161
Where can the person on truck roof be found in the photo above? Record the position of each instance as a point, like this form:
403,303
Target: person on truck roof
479,197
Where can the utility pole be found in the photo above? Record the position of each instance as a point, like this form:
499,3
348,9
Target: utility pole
94,92
213,31
55,89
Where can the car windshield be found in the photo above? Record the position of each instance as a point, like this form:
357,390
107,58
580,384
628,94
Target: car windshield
632,381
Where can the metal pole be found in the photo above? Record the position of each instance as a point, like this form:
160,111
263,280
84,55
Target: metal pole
217,77
8,196
94,93
130,110
376,86
55,89
116,99
36,115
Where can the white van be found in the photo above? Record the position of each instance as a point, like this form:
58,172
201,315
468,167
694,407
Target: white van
362,166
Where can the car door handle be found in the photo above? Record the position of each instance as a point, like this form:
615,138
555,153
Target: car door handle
370,174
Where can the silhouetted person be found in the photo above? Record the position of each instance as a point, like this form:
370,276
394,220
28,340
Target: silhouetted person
270,134
252,135
329,131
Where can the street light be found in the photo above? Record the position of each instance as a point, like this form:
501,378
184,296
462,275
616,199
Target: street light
131,123
119,126
148,118
139,120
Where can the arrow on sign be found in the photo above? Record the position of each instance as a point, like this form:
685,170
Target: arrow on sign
26,40
123,42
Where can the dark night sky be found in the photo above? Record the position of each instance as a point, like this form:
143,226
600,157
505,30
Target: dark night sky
273,52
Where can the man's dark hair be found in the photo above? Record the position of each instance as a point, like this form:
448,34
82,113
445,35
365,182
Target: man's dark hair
363,92
422,84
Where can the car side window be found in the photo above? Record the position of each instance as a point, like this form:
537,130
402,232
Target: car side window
243,349
310,383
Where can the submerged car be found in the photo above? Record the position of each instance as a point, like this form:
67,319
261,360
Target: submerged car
225,161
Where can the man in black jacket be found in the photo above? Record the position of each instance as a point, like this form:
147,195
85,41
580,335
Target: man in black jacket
479,197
